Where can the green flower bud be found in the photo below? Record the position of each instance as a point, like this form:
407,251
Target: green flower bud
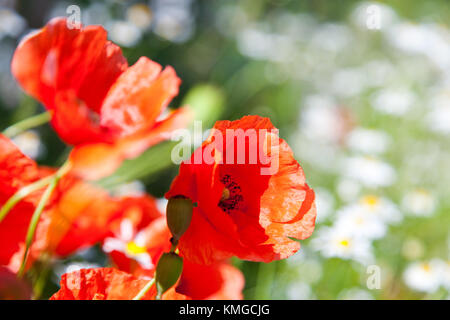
168,270
179,215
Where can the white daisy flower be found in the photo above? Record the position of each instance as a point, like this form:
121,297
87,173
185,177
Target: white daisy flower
348,189
140,15
360,222
424,276
370,171
124,33
324,203
419,203
438,119
11,23
130,243
367,141
30,144
339,242
322,119
380,207
393,101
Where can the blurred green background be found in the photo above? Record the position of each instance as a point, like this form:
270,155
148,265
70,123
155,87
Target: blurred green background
360,90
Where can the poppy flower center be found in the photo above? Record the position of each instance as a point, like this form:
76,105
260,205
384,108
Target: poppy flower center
133,248
231,194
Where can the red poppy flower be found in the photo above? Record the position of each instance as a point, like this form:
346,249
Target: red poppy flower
77,215
108,110
246,207
137,252
101,284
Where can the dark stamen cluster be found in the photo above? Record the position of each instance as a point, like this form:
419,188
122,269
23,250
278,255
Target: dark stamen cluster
234,195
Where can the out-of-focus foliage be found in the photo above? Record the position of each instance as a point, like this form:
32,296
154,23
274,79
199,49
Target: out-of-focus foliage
361,91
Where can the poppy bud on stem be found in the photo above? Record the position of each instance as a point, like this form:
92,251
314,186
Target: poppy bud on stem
178,215
168,270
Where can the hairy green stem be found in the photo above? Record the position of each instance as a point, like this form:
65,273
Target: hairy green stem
38,211
144,290
26,124
22,193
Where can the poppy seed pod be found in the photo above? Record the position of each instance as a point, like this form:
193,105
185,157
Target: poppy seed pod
179,215
168,270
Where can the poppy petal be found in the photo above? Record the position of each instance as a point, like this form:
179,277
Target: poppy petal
58,58
95,161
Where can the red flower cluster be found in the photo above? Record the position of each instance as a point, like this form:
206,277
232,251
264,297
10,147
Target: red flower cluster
106,109
110,112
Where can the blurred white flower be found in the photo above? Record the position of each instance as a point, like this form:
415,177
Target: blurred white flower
368,141
339,242
30,144
131,189
130,243
331,37
427,39
61,269
140,15
299,291
324,203
446,278
124,33
95,13
370,171
259,44
322,120
412,249
379,72
348,82
348,189
365,11
360,222
439,119
419,203
161,204
11,23
355,294
173,20
380,207
392,101
425,276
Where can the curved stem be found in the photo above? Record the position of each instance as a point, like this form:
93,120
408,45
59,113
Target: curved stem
26,124
34,221
38,211
144,290
22,193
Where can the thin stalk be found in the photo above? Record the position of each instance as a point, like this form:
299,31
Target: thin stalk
27,124
22,193
34,221
38,211
144,290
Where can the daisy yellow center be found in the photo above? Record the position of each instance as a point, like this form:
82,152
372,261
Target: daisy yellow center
344,243
133,248
426,267
371,201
